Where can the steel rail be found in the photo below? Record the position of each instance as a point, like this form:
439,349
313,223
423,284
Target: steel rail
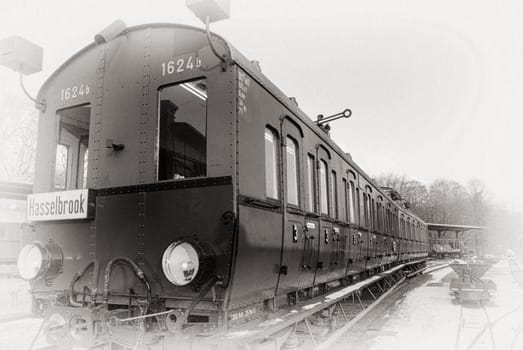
333,338
263,329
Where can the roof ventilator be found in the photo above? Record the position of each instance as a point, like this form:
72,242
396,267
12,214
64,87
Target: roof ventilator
110,32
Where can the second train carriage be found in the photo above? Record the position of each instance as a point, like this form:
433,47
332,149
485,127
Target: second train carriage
170,179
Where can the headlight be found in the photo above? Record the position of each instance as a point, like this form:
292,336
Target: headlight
36,261
31,261
180,263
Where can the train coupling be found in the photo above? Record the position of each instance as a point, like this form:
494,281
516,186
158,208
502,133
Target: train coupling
66,327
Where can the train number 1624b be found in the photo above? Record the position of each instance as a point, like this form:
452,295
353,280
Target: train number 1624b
74,92
181,64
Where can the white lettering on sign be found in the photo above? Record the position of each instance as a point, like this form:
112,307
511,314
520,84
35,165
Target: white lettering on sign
73,92
242,314
244,82
63,205
181,64
311,225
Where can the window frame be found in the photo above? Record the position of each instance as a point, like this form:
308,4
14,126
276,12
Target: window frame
158,131
333,191
74,172
311,205
276,172
66,147
297,170
324,201
345,185
352,200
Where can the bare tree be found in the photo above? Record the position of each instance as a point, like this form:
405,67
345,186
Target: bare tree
18,126
414,192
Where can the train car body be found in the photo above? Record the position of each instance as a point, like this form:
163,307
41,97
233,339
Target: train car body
169,179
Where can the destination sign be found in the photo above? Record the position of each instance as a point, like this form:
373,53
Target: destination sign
63,205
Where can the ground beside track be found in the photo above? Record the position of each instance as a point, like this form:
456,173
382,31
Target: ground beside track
17,330
15,300
421,314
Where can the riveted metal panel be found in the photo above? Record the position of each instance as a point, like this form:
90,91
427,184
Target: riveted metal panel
291,265
201,214
117,219
96,129
258,256
143,158
309,261
134,210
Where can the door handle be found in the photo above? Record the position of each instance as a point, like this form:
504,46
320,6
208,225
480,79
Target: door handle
294,234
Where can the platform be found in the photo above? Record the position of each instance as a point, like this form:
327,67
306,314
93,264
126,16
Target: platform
422,314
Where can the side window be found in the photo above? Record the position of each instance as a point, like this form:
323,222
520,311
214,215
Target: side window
324,195
352,203
379,216
384,217
183,131
365,210
345,199
389,220
271,164
373,213
368,210
361,207
334,195
311,181
292,171
396,222
61,165
73,148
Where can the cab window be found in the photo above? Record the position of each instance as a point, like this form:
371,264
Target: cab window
183,131
72,149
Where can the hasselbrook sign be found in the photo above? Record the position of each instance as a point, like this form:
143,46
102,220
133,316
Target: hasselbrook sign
63,205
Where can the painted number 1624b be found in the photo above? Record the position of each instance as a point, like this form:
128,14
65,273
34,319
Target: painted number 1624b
181,64
74,92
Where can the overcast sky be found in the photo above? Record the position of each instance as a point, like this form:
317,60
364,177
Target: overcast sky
436,87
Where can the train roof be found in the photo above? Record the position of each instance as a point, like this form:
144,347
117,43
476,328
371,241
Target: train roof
253,70
453,228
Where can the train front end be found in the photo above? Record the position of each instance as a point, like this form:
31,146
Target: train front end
133,217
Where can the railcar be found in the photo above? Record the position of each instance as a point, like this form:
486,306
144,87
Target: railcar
179,192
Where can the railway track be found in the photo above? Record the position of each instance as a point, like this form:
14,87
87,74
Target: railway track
470,314
440,321
468,323
487,326
321,322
